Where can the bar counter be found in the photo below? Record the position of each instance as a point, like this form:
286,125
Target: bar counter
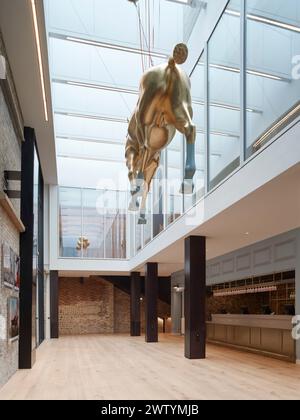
270,335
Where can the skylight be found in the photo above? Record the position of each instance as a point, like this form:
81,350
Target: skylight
98,55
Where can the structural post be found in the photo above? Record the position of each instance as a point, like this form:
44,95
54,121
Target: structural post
297,305
177,314
54,324
135,305
151,292
195,296
27,339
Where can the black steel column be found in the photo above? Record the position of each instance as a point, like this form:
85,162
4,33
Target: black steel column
27,287
41,283
151,293
54,320
135,305
195,297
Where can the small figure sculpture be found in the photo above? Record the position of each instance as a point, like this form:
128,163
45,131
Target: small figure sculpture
82,244
164,106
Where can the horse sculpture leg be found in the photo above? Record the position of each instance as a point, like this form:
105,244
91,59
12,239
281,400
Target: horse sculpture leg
149,172
190,165
134,177
186,126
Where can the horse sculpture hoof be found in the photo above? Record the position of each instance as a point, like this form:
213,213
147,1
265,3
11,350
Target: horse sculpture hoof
135,190
187,187
142,220
133,205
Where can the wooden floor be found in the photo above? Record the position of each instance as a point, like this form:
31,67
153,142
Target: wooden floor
120,367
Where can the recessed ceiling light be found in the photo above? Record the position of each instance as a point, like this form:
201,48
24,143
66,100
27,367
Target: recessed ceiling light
185,2
92,117
109,46
96,86
249,71
39,53
225,106
268,21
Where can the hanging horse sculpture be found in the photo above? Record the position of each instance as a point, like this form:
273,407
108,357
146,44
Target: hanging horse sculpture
164,106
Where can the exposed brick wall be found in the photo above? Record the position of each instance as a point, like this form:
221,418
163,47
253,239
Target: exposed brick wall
85,308
10,159
121,312
97,307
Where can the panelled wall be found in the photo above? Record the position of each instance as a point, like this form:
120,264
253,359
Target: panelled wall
274,255
96,306
277,254
270,256
10,160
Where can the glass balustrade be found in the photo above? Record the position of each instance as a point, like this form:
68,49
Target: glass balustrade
92,223
273,69
224,96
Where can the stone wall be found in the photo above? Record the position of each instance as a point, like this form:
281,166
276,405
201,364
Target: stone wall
92,306
10,159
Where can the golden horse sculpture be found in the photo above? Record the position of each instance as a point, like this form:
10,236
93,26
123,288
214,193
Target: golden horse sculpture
164,106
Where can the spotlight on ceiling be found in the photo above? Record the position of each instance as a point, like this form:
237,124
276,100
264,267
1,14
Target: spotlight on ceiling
192,3
178,289
185,2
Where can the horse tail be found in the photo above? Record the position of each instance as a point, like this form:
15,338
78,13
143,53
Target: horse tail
180,55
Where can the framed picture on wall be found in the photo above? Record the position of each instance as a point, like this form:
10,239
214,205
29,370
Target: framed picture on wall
10,268
13,318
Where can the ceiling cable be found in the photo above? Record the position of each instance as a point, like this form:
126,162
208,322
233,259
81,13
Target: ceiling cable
144,30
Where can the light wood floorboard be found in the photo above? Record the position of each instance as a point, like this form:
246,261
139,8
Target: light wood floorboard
107,367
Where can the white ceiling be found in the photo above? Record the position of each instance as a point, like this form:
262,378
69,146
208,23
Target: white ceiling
16,23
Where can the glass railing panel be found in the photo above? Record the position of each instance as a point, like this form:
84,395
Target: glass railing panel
158,198
138,235
115,221
92,223
174,178
224,96
198,104
70,222
149,219
273,69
